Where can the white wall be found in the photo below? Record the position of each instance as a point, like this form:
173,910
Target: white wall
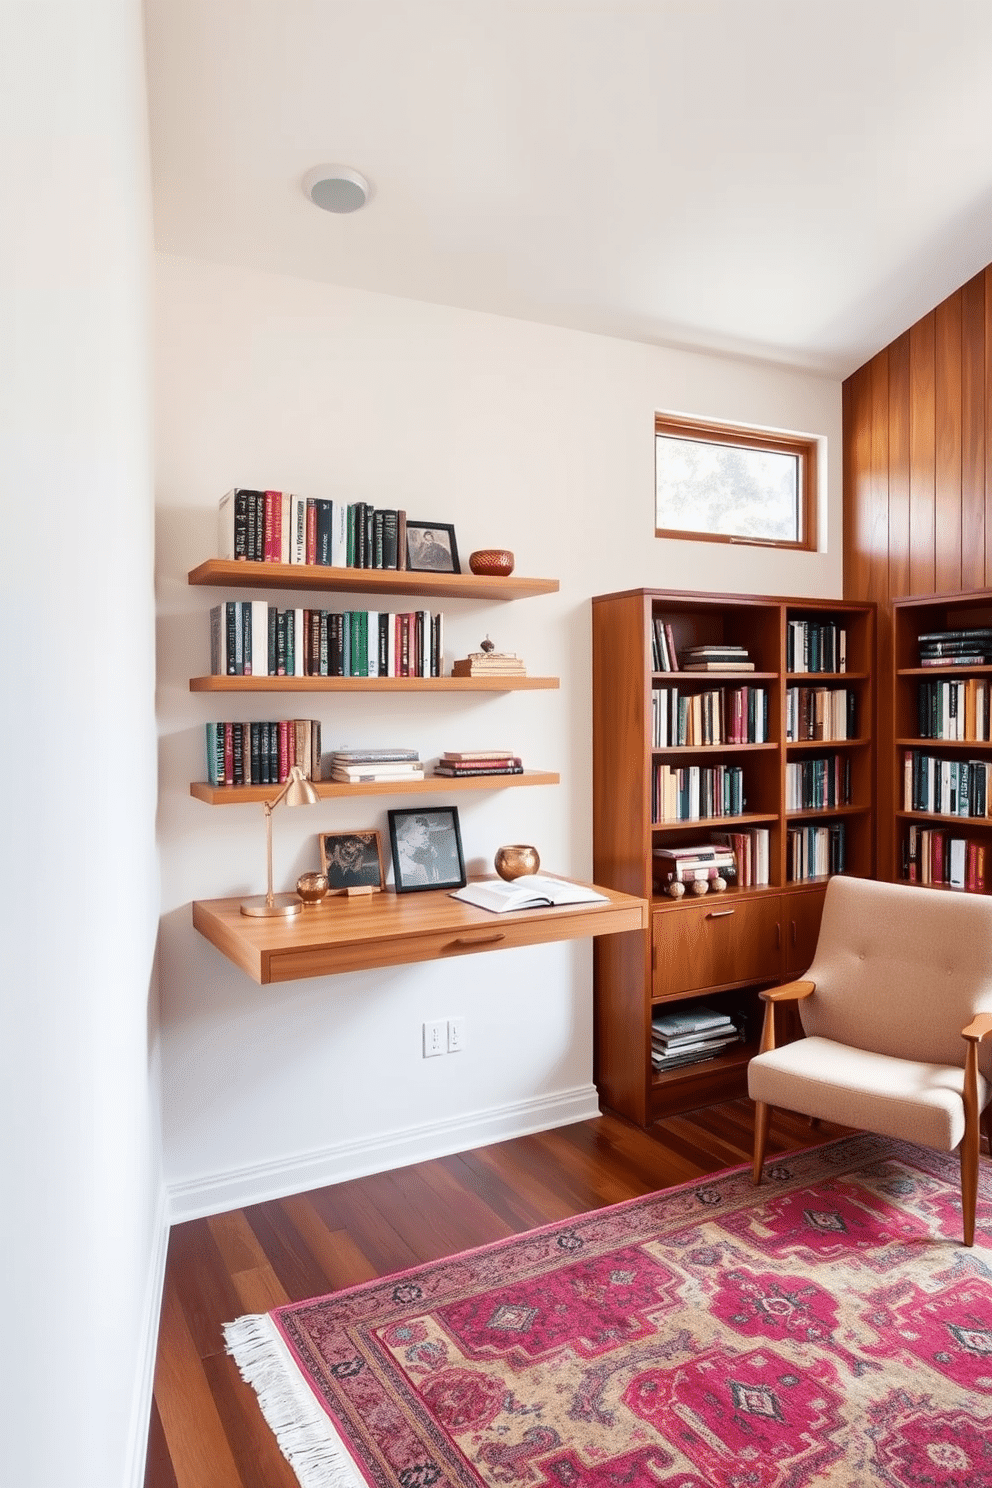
84,1221
522,435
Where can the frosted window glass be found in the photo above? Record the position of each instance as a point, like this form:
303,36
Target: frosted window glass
726,489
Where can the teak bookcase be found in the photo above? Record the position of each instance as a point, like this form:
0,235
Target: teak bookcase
723,947
386,584
912,618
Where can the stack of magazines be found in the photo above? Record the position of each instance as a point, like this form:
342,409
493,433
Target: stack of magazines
691,1033
365,766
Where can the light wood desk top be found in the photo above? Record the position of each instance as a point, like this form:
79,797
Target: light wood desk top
390,929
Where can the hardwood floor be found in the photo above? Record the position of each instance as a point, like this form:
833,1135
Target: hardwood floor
206,1430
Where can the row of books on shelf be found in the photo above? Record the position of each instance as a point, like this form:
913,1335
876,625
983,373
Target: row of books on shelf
944,787
815,852
817,784
934,856
262,753
251,638
955,709
691,1033
697,791
815,646
721,715
279,527
820,713
969,647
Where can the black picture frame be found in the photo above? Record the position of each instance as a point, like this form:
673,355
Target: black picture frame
427,849
352,860
431,547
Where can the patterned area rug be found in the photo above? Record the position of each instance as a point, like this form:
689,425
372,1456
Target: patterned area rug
827,1328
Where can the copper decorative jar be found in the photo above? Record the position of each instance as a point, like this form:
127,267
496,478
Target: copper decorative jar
311,887
491,562
516,859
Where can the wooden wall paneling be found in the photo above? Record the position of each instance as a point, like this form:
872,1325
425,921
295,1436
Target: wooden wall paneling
857,488
898,583
947,445
922,454
973,520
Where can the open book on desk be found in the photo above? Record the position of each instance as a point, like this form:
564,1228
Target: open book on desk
530,891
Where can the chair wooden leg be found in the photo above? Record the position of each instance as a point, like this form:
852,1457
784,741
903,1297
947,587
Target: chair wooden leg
762,1111
970,1144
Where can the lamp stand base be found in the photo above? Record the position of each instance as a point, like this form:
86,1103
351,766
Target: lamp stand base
283,906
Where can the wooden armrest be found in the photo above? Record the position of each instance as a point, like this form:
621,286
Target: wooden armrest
791,992
979,1028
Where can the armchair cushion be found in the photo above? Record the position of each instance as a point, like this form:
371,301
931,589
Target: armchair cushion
910,1099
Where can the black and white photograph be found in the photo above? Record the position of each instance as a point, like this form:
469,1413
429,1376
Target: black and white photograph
352,860
427,850
431,547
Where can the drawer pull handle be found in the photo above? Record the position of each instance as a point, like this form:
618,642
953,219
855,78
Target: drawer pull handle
464,944
719,914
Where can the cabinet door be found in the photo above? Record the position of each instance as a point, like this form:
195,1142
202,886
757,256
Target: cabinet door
723,941
801,915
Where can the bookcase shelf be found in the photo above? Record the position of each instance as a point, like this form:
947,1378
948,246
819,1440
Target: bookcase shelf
721,947
911,619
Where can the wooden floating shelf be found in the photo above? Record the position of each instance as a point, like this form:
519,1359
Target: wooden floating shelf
372,684
325,579
704,823
240,795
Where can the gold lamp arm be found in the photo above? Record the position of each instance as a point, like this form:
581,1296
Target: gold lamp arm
297,791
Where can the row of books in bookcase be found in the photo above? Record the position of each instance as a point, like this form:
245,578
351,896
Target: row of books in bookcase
264,752
279,527
719,715
815,645
937,857
946,787
250,638
956,709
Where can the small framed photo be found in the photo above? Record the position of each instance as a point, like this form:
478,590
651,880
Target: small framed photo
427,849
431,547
352,860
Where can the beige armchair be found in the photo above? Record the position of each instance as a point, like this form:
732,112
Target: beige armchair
895,1009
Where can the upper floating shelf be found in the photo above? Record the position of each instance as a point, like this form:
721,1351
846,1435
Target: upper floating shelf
323,578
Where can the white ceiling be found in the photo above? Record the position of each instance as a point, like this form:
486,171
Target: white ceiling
797,180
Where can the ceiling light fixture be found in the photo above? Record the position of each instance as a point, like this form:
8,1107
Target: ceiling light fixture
336,188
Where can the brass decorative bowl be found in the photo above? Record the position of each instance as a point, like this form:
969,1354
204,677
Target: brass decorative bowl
311,887
491,562
515,859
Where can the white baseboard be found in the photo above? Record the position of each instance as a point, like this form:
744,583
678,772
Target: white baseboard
144,1382
216,1192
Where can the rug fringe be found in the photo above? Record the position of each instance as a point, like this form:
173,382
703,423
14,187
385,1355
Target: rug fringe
302,1430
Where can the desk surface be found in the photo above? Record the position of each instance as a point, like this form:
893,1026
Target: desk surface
389,929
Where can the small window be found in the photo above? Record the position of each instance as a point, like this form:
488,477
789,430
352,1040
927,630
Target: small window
717,483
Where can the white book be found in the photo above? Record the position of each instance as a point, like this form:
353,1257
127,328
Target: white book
299,639
530,891
259,660
958,846
339,534
225,526
298,529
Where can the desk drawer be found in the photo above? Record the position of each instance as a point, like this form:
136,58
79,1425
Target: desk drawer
722,941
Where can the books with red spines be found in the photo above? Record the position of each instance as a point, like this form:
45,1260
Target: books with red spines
501,762
311,549
272,551
670,642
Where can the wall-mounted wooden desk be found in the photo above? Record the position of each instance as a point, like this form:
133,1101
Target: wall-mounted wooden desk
394,929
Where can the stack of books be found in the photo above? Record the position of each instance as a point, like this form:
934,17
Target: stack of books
457,763
489,664
716,658
956,647
690,1034
693,864
364,766
281,527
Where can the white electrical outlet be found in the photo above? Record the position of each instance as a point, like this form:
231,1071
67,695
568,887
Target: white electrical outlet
456,1035
435,1037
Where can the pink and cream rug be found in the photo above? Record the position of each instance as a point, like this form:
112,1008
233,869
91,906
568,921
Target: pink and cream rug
826,1328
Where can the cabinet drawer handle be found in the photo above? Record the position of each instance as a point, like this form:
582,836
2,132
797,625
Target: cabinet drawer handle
719,914
464,944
